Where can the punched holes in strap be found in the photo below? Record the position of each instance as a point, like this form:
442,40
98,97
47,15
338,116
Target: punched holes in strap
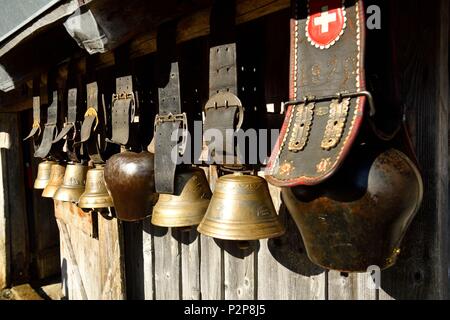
223,111
50,129
123,109
168,124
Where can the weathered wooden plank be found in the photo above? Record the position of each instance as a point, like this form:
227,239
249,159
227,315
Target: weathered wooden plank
111,259
80,258
85,222
15,215
148,258
421,272
4,236
190,264
211,259
239,270
167,264
354,286
72,260
284,261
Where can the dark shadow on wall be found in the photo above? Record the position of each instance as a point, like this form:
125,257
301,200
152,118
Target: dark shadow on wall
289,249
65,279
134,259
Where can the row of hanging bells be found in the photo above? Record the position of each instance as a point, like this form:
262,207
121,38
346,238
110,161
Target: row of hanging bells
75,183
239,209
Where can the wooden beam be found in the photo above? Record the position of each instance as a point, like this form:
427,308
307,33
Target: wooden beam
189,27
197,25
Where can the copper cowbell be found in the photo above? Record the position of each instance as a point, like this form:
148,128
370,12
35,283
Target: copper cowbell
357,218
241,209
43,174
96,195
56,180
73,183
187,206
130,179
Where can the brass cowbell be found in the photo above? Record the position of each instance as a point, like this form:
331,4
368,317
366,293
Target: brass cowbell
73,183
56,180
96,195
188,204
241,209
43,175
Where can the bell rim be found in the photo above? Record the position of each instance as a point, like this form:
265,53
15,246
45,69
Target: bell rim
274,229
65,198
39,184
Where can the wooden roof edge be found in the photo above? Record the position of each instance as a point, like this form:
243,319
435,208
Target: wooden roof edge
46,18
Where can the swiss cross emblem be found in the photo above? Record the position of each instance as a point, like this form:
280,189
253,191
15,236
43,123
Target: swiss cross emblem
326,22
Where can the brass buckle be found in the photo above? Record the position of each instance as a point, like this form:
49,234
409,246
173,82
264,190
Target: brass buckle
91,112
37,125
339,97
181,117
125,96
226,100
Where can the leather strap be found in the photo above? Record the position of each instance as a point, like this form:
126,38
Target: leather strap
327,92
71,116
223,111
49,130
36,118
123,110
91,132
168,123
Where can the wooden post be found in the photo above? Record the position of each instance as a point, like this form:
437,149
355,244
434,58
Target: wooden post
14,250
4,236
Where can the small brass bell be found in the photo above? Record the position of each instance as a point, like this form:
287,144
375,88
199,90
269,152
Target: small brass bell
96,195
241,209
73,183
43,175
189,203
56,180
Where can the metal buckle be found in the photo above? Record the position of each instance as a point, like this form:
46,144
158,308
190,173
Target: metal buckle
125,96
160,119
37,125
339,97
226,100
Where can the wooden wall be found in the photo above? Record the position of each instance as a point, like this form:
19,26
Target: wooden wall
174,265
103,258
91,255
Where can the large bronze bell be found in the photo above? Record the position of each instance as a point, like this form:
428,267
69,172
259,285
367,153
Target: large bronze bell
56,180
96,195
241,209
357,218
43,175
130,179
73,183
188,204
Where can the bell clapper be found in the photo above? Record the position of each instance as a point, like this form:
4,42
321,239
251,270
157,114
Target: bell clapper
243,245
186,229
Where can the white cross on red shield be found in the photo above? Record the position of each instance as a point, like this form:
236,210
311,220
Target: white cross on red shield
326,22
